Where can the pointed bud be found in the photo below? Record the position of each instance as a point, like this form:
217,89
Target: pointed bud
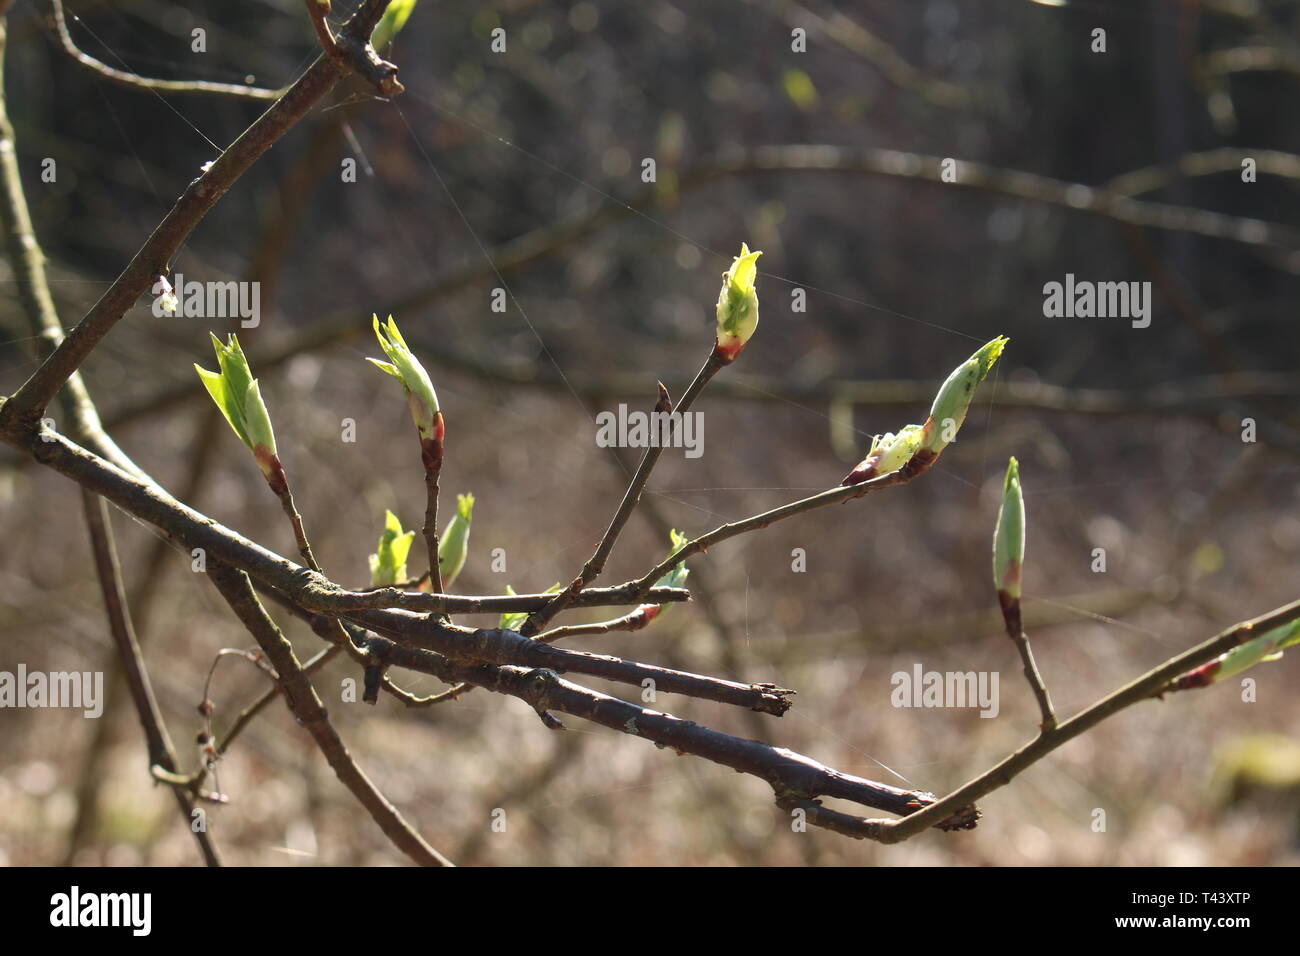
235,392
888,453
737,305
1009,536
955,395
388,564
1267,647
453,546
406,368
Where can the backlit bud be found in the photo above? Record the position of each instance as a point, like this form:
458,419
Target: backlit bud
453,546
406,368
1267,647
888,453
236,393
1009,536
388,564
955,395
737,305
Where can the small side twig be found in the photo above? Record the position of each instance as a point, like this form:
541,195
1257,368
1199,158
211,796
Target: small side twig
1015,630
596,563
306,706
134,81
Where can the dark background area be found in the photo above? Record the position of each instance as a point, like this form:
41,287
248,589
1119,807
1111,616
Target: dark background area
499,155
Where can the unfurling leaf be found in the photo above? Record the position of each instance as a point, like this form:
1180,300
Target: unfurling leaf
453,546
235,392
737,309
388,564
406,368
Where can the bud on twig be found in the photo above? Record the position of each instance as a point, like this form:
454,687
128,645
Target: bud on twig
388,564
1267,647
514,620
919,445
1009,536
955,395
454,544
406,368
737,305
675,578
888,453
236,393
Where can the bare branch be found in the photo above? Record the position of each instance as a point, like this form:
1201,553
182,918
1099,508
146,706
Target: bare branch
307,707
134,81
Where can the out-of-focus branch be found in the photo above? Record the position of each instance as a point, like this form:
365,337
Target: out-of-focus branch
153,258
858,39
134,81
161,752
306,706
28,261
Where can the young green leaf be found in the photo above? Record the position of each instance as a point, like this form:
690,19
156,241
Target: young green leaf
675,578
737,309
237,395
406,368
391,23
453,546
388,564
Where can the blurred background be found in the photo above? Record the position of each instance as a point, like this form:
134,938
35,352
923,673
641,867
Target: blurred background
523,170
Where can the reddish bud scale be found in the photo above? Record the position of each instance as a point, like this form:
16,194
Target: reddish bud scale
726,354
1011,613
647,613
1202,676
431,452
273,470
866,469
861,472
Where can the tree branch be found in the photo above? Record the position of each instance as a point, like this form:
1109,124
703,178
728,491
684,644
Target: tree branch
306,706
134,81
154,257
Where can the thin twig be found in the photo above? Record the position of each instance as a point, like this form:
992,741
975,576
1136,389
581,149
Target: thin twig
153,258
160,747
150,84
1151,684
596,563
831,496
306,706
1015,630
